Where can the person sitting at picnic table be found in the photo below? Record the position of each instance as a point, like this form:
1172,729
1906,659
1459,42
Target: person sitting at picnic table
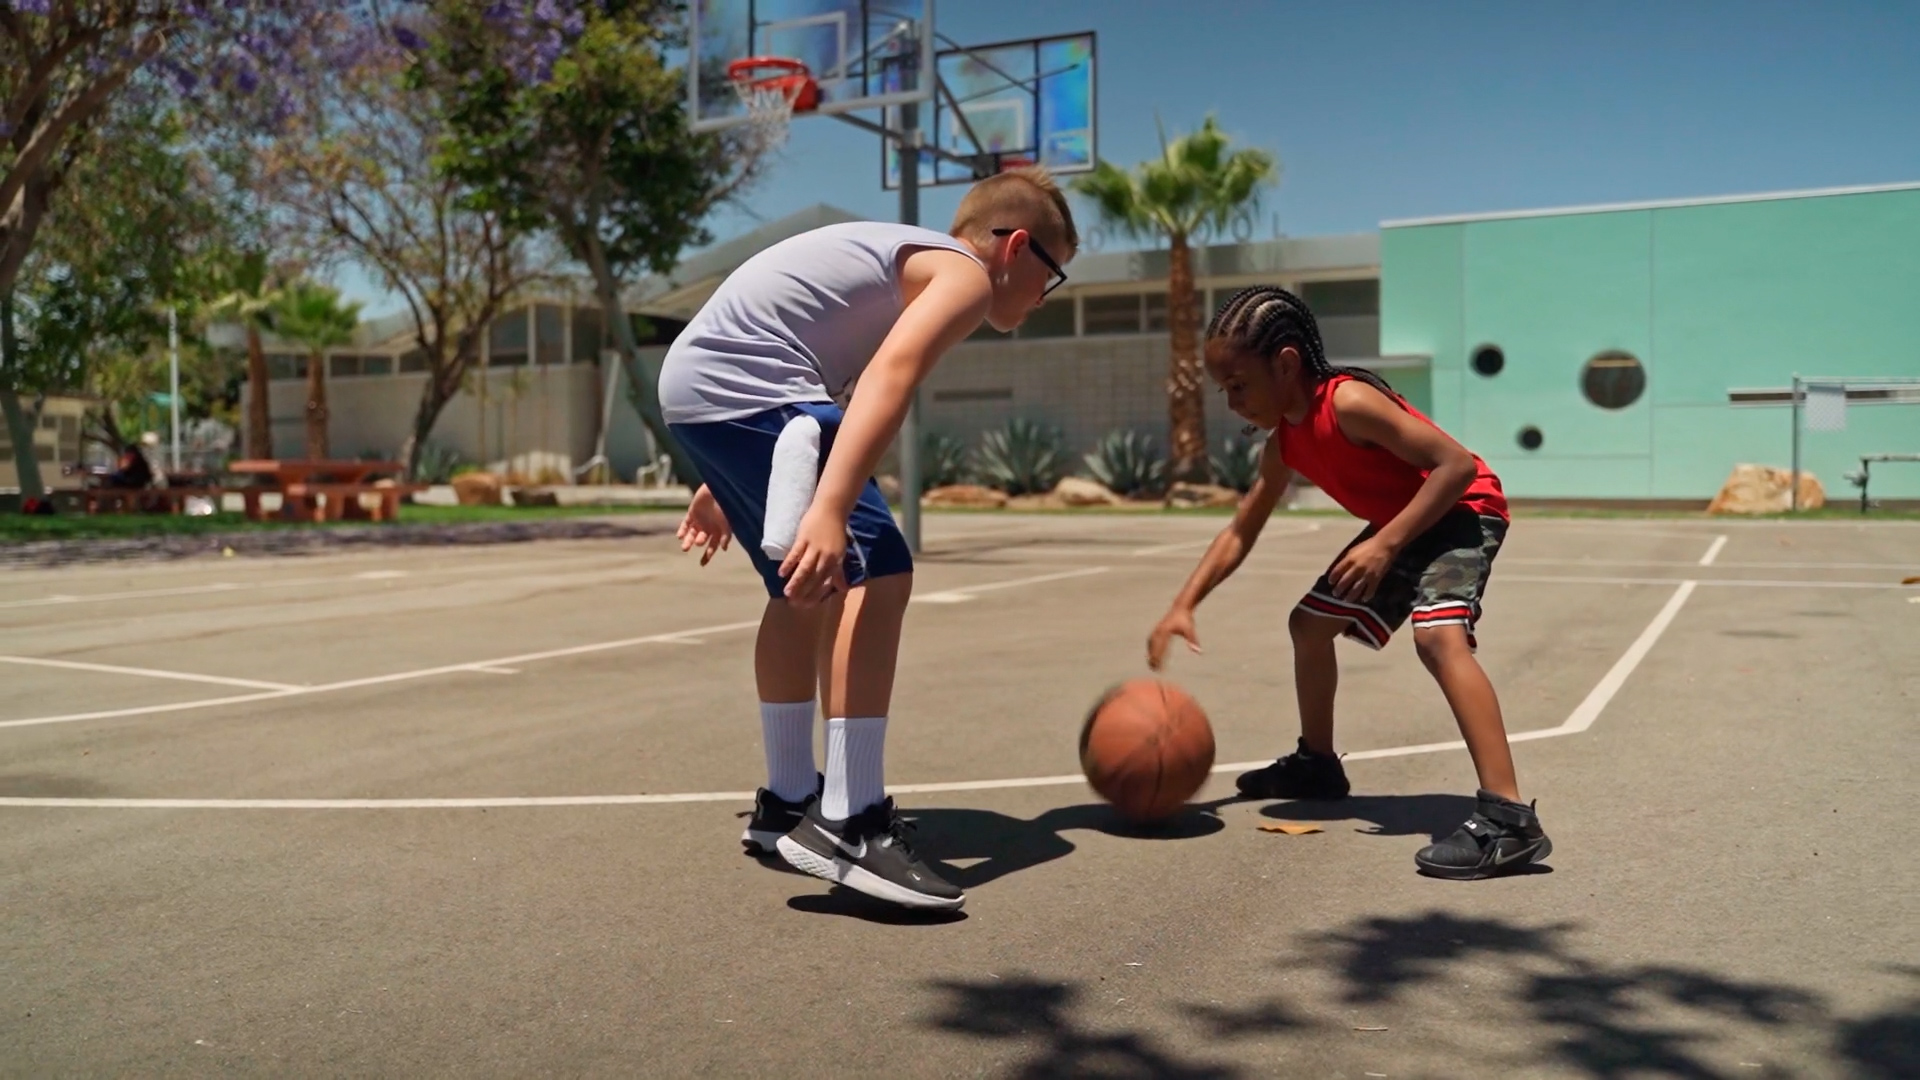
132,471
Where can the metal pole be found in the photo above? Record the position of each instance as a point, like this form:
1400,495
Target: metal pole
173,366
910,427
1794,496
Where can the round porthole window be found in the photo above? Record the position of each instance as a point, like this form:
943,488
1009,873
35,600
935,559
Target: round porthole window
1613,379
1530,438
1488,360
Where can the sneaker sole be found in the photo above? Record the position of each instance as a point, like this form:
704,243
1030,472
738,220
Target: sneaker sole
760,842
842,872
1484,870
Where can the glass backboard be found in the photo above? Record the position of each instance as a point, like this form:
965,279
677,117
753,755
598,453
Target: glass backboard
865,54
1020,102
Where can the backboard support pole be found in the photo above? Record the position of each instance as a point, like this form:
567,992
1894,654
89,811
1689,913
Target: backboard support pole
910,427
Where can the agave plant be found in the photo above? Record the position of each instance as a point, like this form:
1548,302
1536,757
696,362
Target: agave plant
438,464
943,460
1238,463
1022,458
1128,463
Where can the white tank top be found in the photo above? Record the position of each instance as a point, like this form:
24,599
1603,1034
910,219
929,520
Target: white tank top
797,322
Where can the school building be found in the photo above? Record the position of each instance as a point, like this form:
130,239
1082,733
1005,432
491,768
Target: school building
1631,352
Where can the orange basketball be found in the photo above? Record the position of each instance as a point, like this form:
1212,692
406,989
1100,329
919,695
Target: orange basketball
1146,748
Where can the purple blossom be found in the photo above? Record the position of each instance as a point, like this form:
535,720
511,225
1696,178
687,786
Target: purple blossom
32,7
407,39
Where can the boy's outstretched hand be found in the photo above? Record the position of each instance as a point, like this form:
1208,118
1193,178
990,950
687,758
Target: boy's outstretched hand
1176,623
704,526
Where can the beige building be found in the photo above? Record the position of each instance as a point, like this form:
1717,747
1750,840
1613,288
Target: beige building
1092,360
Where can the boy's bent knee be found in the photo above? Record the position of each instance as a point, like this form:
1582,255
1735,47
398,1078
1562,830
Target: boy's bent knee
1438,644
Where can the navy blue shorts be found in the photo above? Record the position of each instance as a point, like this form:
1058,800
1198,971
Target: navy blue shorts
735,458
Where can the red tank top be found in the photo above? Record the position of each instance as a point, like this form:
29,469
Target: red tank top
1369,481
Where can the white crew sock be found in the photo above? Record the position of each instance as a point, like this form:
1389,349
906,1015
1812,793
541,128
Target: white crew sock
855,750
787,730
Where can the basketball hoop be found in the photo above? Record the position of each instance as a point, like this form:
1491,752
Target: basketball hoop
772,89
1010,162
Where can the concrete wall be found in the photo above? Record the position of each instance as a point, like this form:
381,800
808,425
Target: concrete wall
1708,297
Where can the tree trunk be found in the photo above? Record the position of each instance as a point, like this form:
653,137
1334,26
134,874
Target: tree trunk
641,384
1186,399
20,422
443,382
317,406
259,441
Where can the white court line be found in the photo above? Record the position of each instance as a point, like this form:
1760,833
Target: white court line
1713,552
673,637
138,594
150,673
1580,720
968,592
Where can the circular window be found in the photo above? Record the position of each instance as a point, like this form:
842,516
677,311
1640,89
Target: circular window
1613,379
1530,438
1488,360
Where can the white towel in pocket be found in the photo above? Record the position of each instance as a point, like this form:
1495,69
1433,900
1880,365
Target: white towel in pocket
790,486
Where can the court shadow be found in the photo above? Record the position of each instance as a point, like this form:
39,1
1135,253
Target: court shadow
1041,1024
993,845
842,901
1432,815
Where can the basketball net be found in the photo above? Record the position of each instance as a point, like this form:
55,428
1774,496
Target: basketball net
769,101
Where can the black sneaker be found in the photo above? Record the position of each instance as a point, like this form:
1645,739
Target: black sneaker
774,817
1502,836
1302,774
868,852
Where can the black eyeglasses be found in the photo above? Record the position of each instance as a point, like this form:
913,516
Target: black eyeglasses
1046,260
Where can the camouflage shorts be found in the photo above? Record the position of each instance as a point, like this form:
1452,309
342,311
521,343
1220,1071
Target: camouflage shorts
1437,581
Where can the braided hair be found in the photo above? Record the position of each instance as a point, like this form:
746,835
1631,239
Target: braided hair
1264,319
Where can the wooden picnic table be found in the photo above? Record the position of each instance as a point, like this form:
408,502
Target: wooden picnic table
313,489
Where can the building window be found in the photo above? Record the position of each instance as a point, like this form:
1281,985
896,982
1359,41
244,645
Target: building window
1337,299
286,366
1613,379
549,328
1053,319
1488,360
587,326
376,365
1530,438
340,366
507,339
1112,314
413,360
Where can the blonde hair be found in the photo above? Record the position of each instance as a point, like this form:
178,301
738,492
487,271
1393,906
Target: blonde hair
1024,198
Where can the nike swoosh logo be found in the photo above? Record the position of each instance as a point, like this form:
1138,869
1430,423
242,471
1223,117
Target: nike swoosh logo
852,852
1500,860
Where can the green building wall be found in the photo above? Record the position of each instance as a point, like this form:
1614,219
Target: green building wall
1710,297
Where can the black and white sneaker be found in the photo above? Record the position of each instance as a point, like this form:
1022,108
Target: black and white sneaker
1302,774
1502,836
868,852
774,817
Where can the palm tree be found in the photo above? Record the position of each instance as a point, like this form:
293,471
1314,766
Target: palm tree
313,315
1192,192
251,304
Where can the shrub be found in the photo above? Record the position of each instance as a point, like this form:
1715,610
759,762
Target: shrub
1238,464
439,464
1022,458
1129,463
943,460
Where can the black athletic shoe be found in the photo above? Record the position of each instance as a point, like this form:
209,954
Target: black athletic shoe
774,817
1302,774
868,852
1502,836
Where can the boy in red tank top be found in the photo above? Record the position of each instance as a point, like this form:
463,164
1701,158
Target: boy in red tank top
1435,518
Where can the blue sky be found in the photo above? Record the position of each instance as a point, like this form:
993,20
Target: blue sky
1382,109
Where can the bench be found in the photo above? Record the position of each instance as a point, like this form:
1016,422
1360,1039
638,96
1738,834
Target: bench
314,500
172,500
1862,478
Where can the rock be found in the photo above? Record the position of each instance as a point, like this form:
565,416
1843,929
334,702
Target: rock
1079,491
1040,500
1188,496
889,488
477,489
1762,489
527,496
970,496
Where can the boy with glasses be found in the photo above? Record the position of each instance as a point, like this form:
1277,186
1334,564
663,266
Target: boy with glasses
785,335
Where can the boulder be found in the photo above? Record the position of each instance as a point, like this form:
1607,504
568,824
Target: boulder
477,489
532,496
1188,496
1080,491
1763,489
968,496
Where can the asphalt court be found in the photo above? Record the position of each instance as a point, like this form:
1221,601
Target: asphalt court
489,775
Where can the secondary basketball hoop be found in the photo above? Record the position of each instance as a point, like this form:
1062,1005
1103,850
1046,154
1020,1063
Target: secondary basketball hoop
772,89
